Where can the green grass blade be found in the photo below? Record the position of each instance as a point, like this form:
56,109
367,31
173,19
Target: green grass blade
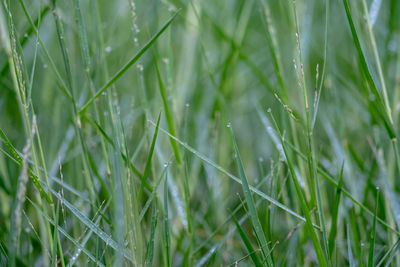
61,230
252,208
92,226
54,248
254,257
149,157
236,179
32,176
168,114
335,213
166,230
372,233
150,246
124,68
384,115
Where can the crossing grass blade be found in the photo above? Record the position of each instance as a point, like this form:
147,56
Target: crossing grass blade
236,179
150,246
149,157
62,231
132,61
254,257
335,213
168,114
372,234
166,229
380,106
32,176
258,230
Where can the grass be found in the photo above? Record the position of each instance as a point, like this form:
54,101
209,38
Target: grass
199,133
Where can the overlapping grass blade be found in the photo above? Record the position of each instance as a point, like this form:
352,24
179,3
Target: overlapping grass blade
124,68
252,208
254,257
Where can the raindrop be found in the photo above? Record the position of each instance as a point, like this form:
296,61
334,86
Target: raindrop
26,35
187,105
104,93
45,66
269,110
260,159
165,164
135,40
170,9
108,49
229,125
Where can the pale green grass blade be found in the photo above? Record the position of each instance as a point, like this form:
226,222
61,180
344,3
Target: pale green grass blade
124,68
247,243
61,230
150,246
386,118
92,226
236,179
252,208
372,233
149,157
33,177
168,115
166,227
335,213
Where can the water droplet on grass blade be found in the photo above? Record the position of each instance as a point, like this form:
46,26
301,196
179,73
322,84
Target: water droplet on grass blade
228,125
108,49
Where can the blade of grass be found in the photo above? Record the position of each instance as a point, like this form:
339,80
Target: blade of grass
231,176
303,204
380,106
150,246
149,157
17,158
124,68
167,111
372,233
61,230
254,257
252,208
335,213
167,239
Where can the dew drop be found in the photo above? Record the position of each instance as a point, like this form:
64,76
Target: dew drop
187,105
229,125
108,49
165,164
269,110
26,35
45,66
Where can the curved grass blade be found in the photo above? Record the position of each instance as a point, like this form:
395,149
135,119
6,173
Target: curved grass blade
252,207
61,230
236,179
254,257
17,158
149,157
167,239
124,68
168,114
150,247
93,227
335,212
382,109
372,235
